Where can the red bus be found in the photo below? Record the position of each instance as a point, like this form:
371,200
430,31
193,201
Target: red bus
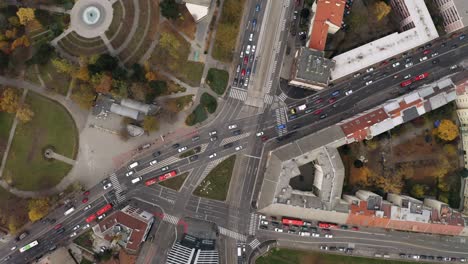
420,76
327,225
287,221
104,209
167,175
90,218
151,181
406,83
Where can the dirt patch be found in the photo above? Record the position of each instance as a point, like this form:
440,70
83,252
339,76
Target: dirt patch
185,24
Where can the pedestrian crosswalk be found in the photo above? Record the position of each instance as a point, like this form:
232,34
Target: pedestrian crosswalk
232,234
268,86
268,99
171,219
281,120
117,187
283,97
158,165
238,94
234,138
253,224
254,243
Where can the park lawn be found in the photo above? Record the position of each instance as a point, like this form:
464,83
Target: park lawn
288,256
216,184
176,182
209,102
51,126
217,80
228,29
187,71
58,82
31,74
197,116
187,153
13,210
6,120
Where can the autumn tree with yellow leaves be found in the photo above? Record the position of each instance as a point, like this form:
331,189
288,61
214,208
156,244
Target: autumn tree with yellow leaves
24,113
9,101
381,10
38,208
25,15
447,130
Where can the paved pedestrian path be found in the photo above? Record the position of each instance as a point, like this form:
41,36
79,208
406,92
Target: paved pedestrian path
62,158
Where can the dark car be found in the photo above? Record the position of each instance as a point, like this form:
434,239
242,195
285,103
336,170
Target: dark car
435,61
454,46
263,227
296,126
237,132
257,8
61,230
193,158
195,138
235,82
246,59
443,44
157,154
228,145
428,45
176,145
323,116
254,22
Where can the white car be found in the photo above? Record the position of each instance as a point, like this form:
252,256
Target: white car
453,67
434,54
13,248
232,126
182,149
357,74
101,216
73,234
259,134
86,226
264,222
261,216
253,49
87,207
247,50
165,168
242,54
423,58
212,133
368,82
304,233
238,148
328,235
246,83
153,162
107,186
371,69
349,92
251,37
279,230
212,155
76,227
238,68
129,173
407,76
315,234
407,65
396,64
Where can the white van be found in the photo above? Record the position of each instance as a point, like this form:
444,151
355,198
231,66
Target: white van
133,165
137,179
69,211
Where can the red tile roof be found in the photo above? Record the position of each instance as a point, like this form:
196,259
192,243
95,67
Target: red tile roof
328,11
358,127
403,106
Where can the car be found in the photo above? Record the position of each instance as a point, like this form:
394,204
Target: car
406,83
331,100
435,61
264,138
86,193
318,111
281,126
254,22
101,216
247,50
61,230
259,134
73,234
129,173
292,110
246,59
462,37
407,76
453,67
238,148
212,155
335,93
262,216
106,185
238,68
323,247
462,259
454,46
263,227
251,37
237,132
357,74
371,69
355,228
228,145
434,54
315,234
212,133
407,65
243,72
420,77
248,71
233,126
165,168
87,207
443,44
296,126
264,222
396,64
182,149
279,230
76,227
328,235
368,82
85,200
395,76
213,138
193,158
342,249
58,226
242,54
402,255
409,59
153,162
253,49
257,8
349,92
333,248
322,116
423,58
425,52
246,82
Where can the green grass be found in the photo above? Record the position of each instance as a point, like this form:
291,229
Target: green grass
13,210
187,154
176,182
85,261
216,184
51,125
85,240
197,116
6,120
288,256
217,80
31,75
59,82
209,102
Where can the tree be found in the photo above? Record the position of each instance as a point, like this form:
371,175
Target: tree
119,88
83,73
150,76
447,130
150,123
14,21
24,113
11,33
63,66
309,2
158,87
42,55
25,15
305,12
13,224
171,44
381,10
105,84
21,41
84,96
4,60
418,190
9,101
138,73
38,208
169,9
105,62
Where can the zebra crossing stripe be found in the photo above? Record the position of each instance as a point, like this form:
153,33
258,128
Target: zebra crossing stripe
283,97
238,94
253,224
232,234
171,219
254,243
234,138
268,99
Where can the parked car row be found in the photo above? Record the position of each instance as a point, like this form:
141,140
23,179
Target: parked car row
430,257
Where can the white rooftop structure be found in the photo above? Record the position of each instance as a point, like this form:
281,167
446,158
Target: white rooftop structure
389,46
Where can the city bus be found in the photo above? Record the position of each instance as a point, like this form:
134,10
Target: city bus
104,209
151,181
287,221
167,175
327,225
90,218
29,246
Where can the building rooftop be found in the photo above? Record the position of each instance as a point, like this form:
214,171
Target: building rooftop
358,127
327,13
311,68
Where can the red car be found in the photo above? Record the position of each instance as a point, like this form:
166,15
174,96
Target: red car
264,138
318,112
420,76
86,193
406,83
319,101
426,52
246,59
332,100
243,72
85,200
355,228
58,226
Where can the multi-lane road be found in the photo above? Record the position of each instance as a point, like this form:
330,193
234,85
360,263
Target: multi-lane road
236,212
